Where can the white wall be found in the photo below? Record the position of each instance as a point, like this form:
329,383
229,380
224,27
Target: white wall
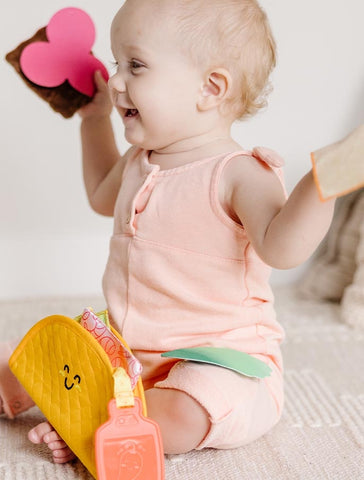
51,243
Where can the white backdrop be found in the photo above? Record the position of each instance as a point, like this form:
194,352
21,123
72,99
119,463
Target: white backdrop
51,243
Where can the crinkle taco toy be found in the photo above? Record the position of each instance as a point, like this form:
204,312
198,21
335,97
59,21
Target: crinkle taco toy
68,367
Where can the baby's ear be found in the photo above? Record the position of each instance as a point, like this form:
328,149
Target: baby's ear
215,89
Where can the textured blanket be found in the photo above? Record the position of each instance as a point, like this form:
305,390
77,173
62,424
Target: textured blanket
321,434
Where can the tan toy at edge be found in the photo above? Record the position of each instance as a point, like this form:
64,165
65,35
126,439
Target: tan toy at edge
339,167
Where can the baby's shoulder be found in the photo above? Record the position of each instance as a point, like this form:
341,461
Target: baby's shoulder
253,175
249,168
257,158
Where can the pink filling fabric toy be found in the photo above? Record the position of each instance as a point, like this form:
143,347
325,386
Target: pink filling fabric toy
66,55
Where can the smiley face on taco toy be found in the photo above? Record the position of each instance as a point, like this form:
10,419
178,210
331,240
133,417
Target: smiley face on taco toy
76,378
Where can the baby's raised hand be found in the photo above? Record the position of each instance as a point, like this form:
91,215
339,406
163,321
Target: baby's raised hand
101,105
45,433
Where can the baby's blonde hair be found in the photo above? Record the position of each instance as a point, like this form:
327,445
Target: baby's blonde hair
234,34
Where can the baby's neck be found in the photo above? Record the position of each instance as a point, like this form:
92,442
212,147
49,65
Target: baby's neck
185,152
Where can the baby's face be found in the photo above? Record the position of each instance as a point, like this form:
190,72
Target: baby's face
156,86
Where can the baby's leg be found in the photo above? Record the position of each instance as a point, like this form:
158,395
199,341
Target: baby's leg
13,398
45,433
183,422
218,409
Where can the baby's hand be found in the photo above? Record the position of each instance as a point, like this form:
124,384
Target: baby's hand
45,433
101,105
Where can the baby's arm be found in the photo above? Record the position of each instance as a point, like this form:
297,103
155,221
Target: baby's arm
102,163
283,232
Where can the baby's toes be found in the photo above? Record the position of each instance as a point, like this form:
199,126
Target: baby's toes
56,445
63,455
37,434
51,437
60,451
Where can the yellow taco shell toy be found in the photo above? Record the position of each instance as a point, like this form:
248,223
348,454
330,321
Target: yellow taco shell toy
69,376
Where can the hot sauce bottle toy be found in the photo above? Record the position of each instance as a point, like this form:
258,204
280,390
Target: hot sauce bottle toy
128,446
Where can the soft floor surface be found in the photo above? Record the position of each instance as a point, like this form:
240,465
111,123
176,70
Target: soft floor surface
321,434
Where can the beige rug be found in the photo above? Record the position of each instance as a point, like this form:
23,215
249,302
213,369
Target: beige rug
321,434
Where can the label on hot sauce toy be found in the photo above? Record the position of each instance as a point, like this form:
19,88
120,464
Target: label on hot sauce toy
129,445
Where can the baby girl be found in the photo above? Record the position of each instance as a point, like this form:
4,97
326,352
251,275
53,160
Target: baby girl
198,220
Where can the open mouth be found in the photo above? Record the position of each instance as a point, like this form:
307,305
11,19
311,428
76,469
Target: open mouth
131,112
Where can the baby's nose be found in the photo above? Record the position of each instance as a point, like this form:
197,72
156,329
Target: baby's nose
116,84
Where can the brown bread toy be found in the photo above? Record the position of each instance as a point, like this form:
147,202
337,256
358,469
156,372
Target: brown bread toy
63,48
63,99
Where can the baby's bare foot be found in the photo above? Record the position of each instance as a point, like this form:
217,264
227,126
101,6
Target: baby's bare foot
45,433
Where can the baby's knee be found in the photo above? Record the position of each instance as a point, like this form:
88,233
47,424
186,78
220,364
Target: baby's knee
183,422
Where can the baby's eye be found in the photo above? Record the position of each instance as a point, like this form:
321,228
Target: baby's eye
135,65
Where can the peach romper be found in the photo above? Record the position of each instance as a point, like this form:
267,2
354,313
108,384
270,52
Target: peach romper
181,273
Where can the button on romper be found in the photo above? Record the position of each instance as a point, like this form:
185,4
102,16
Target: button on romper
181,273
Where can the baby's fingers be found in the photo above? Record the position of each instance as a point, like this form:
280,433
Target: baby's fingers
100,82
